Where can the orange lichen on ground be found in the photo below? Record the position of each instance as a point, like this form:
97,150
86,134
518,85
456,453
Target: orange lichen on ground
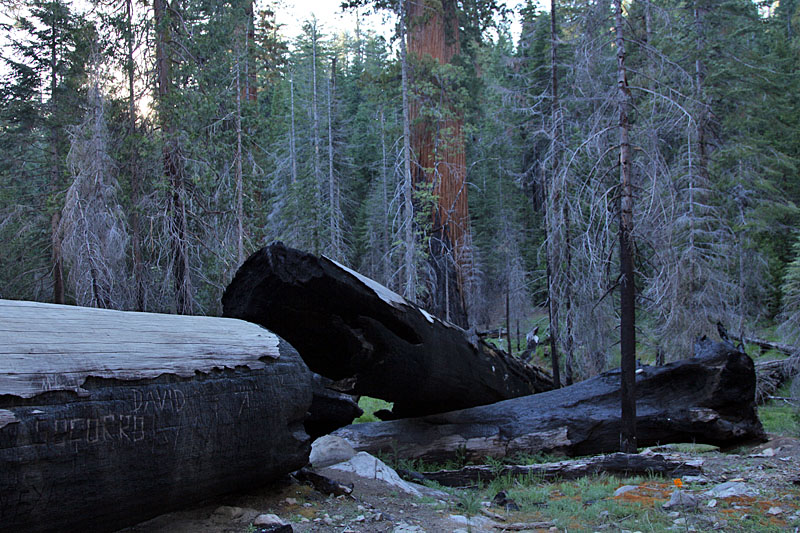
647,495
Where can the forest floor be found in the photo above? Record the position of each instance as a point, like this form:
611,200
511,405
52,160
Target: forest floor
765,480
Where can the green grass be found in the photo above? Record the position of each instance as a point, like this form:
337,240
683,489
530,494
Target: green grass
780,417
369,406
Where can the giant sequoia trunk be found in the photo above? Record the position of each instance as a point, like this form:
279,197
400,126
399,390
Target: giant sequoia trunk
109,418
438,143
707,399
370,340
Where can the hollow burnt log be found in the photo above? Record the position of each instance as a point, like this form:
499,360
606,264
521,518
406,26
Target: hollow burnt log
619,464
329,409
108,418
370,340
708,399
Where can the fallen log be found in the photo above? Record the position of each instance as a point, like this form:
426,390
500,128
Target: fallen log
707,399
108,418
620,464
370,340
329,409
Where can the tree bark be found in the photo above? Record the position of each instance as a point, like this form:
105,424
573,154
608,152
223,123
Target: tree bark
627,322
707,399
618,464
370,340
109,418
438,145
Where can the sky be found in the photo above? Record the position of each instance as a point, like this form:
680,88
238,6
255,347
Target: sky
330,17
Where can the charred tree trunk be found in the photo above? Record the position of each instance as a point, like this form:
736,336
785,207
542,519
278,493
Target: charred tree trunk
627,321
369,339
109,418
706,399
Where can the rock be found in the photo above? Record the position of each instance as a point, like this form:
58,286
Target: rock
330,450
730,489
768,452
712,503
229,512
291,501
680,499
679,521
673,514
700,480
268,520
624,489
404,527
501,499
367,466
774,511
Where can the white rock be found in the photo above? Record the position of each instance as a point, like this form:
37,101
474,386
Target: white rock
367,466
700,480
625,488
680,499
731,488
329,450
775,511
403,527
679,521
268,520
228,511
712,503
291,501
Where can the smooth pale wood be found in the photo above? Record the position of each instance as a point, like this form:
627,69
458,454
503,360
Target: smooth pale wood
708,399
109,418
370,340
47,347
620,464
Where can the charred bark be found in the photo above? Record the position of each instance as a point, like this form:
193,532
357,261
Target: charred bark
330,410
110,418
370,340
707,399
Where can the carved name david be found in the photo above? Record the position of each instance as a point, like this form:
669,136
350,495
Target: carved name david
102,439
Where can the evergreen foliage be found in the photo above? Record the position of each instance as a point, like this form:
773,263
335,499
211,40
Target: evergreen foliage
301,140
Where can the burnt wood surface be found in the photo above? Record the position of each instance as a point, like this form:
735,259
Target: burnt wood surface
109,418
329,409
369,339
706,399
618,464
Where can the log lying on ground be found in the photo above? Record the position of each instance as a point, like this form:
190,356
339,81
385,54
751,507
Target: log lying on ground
707,399
619,464
370,340
108,418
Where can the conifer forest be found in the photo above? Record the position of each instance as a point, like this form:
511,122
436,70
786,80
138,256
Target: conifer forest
627,171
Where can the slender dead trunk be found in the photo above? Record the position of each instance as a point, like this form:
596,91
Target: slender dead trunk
385,203
628,289
409,291
292,149
173,162
133,166
315,133
55,173
336,241
552,303
239,179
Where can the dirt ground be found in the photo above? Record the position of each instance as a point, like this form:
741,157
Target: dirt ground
772,468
